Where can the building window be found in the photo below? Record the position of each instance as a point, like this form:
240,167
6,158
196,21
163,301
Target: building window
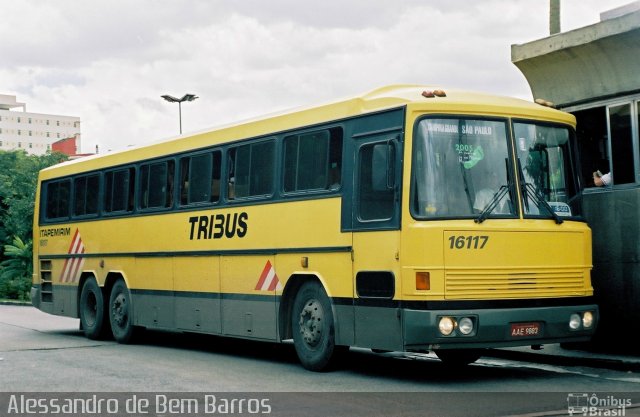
19,144
30,133
47,122
19,132
29,120
18,120
57,122
30,145
605,141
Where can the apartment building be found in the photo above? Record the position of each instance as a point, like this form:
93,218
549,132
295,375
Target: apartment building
34,132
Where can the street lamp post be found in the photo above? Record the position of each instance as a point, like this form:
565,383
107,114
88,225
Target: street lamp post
186,97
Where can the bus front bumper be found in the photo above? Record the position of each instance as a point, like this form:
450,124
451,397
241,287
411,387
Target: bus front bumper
497,327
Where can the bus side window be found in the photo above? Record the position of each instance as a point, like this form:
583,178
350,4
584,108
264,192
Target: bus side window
200,178
156,185
251,170
58,199
312,161
231,164
376,181
119,189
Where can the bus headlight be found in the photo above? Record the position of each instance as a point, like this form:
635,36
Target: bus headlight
587,319
575,321
465,325
446,325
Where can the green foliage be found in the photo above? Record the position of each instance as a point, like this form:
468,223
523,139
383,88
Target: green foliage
16,270
18,180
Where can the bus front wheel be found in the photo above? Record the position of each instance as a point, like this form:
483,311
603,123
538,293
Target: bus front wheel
92,310
313,327
121,313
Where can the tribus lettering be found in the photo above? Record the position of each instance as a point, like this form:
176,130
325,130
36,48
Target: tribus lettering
217,226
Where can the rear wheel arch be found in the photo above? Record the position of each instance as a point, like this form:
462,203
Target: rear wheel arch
111,279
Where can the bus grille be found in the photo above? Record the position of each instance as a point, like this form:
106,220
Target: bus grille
496,284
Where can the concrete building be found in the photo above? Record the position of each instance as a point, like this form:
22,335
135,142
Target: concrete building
33,132
594,73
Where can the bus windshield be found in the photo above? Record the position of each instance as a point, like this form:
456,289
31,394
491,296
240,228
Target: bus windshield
462,169
545,169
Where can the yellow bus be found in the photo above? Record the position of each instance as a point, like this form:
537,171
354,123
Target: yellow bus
405,219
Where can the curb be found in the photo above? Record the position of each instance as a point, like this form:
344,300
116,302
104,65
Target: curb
16,303
616,364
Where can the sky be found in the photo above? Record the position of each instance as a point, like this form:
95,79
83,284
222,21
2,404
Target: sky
109,61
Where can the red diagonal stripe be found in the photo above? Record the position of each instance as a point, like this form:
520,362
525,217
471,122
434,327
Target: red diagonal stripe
274,282
263,276
63,277
73,241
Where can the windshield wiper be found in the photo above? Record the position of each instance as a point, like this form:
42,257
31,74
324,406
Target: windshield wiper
495,200
540,201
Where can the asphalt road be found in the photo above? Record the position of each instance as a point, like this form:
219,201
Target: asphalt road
43,354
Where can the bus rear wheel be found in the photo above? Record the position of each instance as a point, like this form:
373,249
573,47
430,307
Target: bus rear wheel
92,310
313,327
121,313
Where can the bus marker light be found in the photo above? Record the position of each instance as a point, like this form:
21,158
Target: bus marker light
423,281
575,321
446,325
304,262
545,103
428,94
439,93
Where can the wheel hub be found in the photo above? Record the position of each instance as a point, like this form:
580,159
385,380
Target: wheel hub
119,314
311,319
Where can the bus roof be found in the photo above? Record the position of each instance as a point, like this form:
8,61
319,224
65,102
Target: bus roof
393,96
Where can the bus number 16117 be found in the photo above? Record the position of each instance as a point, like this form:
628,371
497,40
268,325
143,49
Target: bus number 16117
468,242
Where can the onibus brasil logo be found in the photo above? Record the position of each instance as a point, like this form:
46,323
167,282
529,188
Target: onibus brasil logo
583,404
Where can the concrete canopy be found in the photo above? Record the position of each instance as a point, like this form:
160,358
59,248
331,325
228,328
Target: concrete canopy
595,62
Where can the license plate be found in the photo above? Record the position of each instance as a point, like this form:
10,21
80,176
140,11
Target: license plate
525,329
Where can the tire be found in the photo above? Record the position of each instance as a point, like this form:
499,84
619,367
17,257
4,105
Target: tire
313,328
121,313
459,357
92,310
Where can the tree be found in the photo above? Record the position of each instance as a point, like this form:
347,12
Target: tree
18,181
16,270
